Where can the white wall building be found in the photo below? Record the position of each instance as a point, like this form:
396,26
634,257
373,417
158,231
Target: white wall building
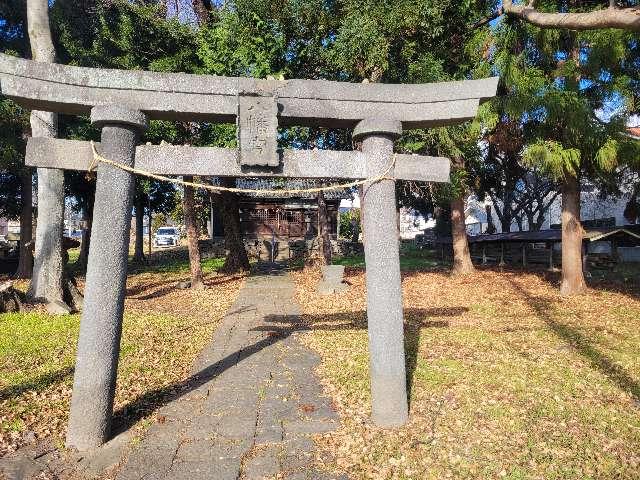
592,208
413,223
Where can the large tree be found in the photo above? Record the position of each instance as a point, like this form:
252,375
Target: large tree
126,35
238,43
236,255
414,42
48,270
16,182
193,235
461,145
517,192
557,82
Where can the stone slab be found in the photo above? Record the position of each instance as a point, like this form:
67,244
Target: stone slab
262,465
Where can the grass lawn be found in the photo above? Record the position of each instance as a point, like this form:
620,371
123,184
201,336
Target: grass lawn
410,259
507,379
164,329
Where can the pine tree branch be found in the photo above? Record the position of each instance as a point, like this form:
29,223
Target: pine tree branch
483,21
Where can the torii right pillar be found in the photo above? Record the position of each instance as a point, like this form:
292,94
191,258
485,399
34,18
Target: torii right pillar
384,287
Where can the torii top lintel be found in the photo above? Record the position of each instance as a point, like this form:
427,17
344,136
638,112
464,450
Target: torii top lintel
179,96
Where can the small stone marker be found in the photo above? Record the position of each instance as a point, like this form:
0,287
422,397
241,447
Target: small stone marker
58,307
332,280
258,131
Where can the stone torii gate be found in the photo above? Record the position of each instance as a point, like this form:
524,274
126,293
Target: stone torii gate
122,102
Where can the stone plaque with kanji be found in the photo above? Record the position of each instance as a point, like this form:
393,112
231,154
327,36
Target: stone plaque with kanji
258,131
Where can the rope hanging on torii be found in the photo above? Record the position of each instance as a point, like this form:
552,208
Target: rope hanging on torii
97,158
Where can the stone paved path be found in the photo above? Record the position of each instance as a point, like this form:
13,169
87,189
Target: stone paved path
256,402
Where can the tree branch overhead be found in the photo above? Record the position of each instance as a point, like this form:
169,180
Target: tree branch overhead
611,17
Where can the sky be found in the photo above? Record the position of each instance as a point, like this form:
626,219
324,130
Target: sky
183,9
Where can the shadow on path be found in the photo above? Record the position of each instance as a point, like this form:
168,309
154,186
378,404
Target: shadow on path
581,343
277,328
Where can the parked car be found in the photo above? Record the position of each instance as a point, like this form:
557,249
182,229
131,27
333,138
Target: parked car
167,237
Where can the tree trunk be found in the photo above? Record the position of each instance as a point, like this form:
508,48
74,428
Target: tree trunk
505,223
48,269
202,9
149,232
537,225
572,274
192,235
355,235
361,220
83,257
323,229
138,251
491,228
462,264
25,264
236,260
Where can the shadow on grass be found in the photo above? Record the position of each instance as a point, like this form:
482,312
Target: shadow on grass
37,384
172,286
414,260
276,328
602,280
581,344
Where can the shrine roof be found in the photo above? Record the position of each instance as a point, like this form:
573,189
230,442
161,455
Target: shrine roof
288,184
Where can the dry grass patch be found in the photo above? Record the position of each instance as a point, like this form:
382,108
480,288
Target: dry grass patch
164,329
507,379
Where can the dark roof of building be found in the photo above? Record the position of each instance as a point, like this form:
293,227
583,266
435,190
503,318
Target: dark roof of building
554,235
628,232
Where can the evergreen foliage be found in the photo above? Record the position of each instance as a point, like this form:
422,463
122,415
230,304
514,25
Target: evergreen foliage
564,97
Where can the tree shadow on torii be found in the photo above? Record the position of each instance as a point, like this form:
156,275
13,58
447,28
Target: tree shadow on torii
277,328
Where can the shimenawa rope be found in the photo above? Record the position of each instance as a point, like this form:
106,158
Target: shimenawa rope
97,158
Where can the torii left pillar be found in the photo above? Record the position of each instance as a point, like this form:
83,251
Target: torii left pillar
101,323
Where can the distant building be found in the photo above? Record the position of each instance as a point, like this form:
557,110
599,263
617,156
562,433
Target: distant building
9,226
593,208
413,223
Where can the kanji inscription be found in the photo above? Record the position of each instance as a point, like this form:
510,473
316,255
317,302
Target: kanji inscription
258,131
